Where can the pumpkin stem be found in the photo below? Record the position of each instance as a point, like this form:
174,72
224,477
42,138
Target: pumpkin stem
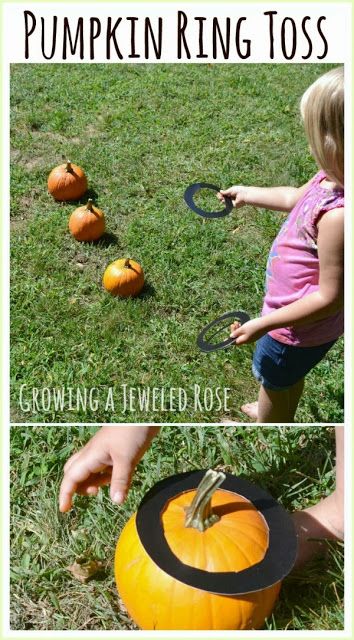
127,263
89,204
199,514
68,167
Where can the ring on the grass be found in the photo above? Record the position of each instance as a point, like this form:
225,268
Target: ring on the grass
192,190
206,345
279,557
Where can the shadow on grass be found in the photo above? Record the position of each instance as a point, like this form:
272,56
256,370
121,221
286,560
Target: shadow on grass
149,291
317,410
288,473
108,239
319,583
101,575
92,193
89,194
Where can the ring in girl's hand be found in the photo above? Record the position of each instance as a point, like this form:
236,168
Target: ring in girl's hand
194,188
206,345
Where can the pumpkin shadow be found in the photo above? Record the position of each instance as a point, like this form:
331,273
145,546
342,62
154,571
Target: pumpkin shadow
90,193
108,239
311,582
223,509
148,291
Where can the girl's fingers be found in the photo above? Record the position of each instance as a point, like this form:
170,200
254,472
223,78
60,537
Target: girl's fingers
71,460
91,491
88,487
79,472
233,328
120,482
95,481
67,490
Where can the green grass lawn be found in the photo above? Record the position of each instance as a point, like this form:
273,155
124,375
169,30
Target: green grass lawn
143,133
294,464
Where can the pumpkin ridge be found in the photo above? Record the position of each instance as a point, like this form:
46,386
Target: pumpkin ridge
245,520
204,552
244,528
211,610
172,589
237,546
140,568
196,608
256,543
220,548
242,523
175,514
139,547
240,526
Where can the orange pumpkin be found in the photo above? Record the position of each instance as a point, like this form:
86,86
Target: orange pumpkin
228,537
123,278
87,223
67,182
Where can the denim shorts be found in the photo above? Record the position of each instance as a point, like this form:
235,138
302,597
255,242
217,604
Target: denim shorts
278,366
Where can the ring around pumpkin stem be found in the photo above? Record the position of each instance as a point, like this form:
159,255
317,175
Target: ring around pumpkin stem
199,514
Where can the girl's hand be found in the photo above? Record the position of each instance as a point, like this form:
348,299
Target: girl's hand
248,332
110,457
236,193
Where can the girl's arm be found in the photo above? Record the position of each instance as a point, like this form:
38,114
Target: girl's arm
316,306
275,198
110,457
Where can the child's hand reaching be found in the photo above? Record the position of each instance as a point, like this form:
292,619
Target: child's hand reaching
248,332
110,457
236,193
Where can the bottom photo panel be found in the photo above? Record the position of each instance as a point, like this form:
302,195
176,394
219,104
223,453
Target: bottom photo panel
176,528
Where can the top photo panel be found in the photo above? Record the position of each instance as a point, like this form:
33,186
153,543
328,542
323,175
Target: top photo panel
177,237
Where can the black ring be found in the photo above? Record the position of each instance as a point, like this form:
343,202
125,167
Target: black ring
276,564
207,347
192,190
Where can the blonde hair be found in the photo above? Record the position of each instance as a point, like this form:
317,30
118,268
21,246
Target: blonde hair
322,111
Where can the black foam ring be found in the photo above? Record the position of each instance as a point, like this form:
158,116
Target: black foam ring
276,564
206,345
189,199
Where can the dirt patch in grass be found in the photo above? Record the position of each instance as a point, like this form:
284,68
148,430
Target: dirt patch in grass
34,162
17,224
24,211
28,161
53,135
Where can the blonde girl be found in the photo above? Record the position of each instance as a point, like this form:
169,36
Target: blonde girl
302,315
